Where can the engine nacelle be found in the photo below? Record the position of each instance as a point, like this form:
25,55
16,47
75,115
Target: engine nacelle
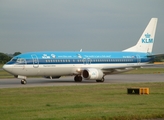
92,74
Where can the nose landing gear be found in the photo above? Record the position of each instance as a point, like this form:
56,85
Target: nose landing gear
23,81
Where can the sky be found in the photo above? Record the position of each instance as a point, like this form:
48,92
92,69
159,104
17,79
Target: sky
71,25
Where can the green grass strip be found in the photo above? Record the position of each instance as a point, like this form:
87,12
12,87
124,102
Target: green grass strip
91,102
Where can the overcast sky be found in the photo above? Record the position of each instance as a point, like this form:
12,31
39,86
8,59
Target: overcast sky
69,25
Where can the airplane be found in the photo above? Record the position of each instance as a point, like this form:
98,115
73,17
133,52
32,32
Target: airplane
84,65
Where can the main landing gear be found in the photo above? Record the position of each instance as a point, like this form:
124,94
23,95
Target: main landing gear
23,81
102,80
78,78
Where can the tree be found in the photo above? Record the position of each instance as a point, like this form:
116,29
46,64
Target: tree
4,58
16,53
159,59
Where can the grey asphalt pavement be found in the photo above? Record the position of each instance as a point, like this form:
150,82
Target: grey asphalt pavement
69,81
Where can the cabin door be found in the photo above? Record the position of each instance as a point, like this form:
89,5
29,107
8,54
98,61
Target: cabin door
35,61
138,59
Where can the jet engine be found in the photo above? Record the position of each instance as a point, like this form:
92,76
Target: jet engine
92,74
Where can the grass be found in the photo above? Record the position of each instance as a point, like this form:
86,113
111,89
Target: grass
146,71
4,74
91,102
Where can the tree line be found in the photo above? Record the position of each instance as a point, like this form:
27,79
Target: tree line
7,57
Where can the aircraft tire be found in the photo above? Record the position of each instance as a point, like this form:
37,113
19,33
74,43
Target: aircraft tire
78,78
23,81
102,80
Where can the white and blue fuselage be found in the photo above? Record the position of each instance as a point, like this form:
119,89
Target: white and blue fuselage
71,63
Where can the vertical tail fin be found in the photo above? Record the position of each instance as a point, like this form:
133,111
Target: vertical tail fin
146,41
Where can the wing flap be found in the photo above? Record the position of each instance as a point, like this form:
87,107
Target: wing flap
123,67
127,67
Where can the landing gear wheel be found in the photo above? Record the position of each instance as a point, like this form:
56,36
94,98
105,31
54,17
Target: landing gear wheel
78,78
23,81
102,80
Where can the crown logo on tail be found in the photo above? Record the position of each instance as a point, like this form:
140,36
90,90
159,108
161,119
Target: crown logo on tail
147,35
147,39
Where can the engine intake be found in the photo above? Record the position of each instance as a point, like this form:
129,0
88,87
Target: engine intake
92,74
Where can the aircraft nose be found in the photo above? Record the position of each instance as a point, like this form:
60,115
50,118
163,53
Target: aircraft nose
8,68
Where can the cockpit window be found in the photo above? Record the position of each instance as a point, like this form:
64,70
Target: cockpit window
13,59
18,60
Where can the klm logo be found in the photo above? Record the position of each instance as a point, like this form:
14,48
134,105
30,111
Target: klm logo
147,39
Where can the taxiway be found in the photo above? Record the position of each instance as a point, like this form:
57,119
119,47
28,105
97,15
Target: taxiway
68,81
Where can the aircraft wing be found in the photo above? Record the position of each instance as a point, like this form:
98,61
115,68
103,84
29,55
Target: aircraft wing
122,67
127,67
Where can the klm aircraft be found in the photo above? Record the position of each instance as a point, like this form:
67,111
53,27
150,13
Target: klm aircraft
84,65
